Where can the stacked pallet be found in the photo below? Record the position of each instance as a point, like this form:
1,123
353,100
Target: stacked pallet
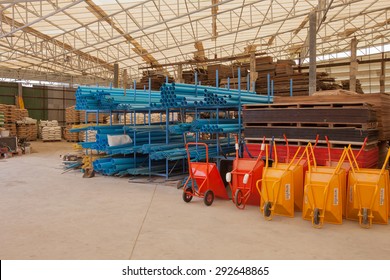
342,122
379,102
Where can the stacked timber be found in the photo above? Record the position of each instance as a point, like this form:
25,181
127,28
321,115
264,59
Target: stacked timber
224,71
345,122
157,79
189,76
345,85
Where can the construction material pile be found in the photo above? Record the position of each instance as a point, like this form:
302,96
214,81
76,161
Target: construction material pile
186,95
49,130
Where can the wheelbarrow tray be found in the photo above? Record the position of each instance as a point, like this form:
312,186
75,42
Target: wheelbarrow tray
323,191
277,188
200,175
371,192
244,166
297,174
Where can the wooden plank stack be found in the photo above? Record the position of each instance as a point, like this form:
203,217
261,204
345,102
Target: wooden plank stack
224,71
157,77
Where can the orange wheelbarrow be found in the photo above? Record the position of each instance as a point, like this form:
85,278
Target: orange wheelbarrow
204,180
242,179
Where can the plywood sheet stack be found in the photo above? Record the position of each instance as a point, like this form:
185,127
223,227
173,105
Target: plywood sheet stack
343,122
379,102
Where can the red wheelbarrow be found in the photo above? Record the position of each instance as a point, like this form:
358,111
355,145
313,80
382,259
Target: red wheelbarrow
242,179
204,180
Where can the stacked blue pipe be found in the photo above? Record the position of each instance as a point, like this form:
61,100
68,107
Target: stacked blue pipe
187,95
103,98
139,136
112,166
197,153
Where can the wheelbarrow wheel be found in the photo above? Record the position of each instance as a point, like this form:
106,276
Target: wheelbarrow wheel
238,199
316,216
365,216
208,197
188,194
267,209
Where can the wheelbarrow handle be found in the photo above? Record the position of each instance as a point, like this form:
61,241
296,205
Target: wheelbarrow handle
197,144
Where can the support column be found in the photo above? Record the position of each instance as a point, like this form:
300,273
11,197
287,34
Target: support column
383,74
115,83
180,73
253,73
353,66
312,52
19,98
124,80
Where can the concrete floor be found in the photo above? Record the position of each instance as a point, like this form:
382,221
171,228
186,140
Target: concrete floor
48,215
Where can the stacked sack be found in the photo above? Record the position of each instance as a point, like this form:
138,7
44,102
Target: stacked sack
27,128
1,119
88,136
49,130
72,119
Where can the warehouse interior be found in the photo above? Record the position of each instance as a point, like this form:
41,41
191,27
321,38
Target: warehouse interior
203,129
